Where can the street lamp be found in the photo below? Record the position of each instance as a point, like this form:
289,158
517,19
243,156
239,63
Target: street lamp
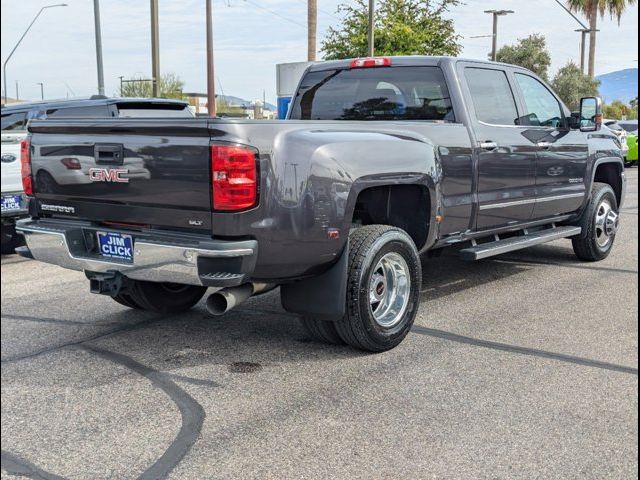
41,90
496,14
4,65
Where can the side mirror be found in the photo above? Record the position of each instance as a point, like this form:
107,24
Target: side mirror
590,114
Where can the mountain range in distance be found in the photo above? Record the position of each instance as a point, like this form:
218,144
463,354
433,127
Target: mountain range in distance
619,85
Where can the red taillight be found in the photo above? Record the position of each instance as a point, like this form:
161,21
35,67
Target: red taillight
234,177
25,166
71,163
371,62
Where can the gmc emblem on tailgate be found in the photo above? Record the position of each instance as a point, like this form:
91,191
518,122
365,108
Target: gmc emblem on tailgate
108,175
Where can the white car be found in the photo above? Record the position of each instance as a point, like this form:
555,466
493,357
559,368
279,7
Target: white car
69,169
619,132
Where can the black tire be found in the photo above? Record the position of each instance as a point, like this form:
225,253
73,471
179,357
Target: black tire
323,331
162,297
369,246
127,301
10,239
589,246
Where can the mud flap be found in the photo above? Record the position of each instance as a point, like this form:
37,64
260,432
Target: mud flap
323,297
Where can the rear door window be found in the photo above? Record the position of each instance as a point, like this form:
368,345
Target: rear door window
397,93
492,97
16,121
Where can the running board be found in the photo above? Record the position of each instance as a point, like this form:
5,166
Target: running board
486,250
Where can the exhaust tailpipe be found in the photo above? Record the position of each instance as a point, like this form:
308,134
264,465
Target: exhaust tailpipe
221,302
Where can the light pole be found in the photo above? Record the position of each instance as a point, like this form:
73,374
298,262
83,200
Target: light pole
372,10
496,14
312,27
211,82
155,49
98,32
41,90
4,65
583,31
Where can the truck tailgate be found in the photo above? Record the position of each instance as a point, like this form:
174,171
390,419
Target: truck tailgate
152,172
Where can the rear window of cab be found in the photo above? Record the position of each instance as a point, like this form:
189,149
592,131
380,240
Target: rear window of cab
396,93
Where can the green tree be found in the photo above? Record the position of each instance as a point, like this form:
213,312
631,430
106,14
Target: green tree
530,52
617,110
571,84
401,27
591,9
170,87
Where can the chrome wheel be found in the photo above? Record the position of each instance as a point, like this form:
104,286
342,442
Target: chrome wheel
607,223
389,290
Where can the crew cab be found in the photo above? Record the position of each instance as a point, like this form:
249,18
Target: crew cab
14,129
381,161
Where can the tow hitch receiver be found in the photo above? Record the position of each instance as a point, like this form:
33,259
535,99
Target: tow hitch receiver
110,283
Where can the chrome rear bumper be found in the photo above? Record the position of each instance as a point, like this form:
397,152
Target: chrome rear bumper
157,256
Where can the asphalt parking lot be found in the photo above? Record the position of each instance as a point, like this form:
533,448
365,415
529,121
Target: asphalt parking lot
523,366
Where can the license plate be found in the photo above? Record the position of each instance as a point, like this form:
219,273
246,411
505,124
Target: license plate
116,245
11,203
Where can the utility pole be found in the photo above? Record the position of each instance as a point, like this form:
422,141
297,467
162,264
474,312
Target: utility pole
155,49
121,77
583,31
211,82
98,32
4,65
583,47
41,90
17,93
312,27
496,14
372,8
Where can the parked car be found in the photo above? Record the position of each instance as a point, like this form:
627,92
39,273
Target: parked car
631,126
621,134
67,169
381,160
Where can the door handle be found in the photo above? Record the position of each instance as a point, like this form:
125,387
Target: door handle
489,145
544,145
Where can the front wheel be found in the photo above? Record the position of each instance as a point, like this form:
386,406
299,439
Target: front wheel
383,289
601,223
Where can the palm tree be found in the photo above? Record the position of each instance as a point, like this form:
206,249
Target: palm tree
591,9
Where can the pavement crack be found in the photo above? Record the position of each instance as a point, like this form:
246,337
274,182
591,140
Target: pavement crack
14,465
59,321
515,261
43,351
192,380
191,412
585,362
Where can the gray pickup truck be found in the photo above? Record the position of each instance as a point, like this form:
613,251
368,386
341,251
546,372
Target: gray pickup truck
381,161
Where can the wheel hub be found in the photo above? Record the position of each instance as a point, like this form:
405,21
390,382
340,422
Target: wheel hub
612,223
607,223
389,290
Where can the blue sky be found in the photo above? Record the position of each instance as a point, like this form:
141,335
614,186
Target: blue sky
251,36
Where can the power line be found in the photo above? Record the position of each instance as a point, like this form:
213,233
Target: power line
276,14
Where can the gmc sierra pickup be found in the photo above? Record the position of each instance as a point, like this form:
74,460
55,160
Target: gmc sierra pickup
381,160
